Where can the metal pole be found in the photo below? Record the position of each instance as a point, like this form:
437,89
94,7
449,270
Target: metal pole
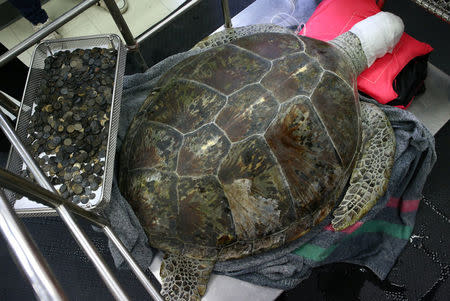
226,14
120,22
10,106
126,33
105,273
36,37
76,231
46,197
26,157
39,194
25,252
132,263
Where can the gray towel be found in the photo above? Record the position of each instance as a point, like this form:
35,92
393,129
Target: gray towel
375,242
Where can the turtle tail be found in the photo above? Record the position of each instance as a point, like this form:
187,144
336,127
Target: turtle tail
184,278
372,171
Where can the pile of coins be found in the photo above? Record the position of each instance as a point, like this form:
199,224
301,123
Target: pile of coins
68,130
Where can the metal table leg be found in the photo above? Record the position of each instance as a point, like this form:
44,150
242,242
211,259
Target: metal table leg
226,14
34,192
24,250
132,45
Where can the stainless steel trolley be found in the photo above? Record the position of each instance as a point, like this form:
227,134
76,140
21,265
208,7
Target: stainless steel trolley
26,253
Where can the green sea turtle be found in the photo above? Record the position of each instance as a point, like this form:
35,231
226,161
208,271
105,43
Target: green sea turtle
249,144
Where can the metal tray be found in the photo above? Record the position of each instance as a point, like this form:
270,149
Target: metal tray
43,50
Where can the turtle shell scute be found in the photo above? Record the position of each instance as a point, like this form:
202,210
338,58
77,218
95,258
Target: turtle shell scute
247,112
293,75
225,68
154,145
185,105
202,151
270,45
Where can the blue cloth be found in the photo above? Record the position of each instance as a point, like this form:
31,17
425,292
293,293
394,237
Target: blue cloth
30,10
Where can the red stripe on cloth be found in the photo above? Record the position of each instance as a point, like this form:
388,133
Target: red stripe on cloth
393,202
405,206
410,206
347,230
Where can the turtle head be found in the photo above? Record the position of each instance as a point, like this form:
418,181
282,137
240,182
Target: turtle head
370,39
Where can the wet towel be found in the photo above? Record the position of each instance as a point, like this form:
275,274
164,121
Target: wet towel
375,242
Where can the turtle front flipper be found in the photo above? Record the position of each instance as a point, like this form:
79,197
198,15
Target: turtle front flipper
184,278
372,170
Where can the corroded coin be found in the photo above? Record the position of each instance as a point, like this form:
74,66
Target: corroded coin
78,126
77,188
67,141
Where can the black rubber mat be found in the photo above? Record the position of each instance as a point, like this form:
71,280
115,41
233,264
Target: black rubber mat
13,76
70,265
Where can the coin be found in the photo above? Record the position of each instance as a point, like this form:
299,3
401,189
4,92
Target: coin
78,126
76,199
77,189
67,141
84,199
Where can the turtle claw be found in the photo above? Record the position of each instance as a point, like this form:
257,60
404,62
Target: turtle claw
184,278
340,223
372,171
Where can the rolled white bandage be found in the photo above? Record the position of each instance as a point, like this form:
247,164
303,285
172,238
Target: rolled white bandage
378,34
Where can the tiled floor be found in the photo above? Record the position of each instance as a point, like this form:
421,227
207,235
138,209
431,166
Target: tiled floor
141,15
433,107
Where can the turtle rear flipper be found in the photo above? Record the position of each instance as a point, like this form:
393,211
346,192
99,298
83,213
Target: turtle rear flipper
184,278
372,171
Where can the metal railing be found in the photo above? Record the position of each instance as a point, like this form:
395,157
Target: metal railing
26,253
47,195
63,19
